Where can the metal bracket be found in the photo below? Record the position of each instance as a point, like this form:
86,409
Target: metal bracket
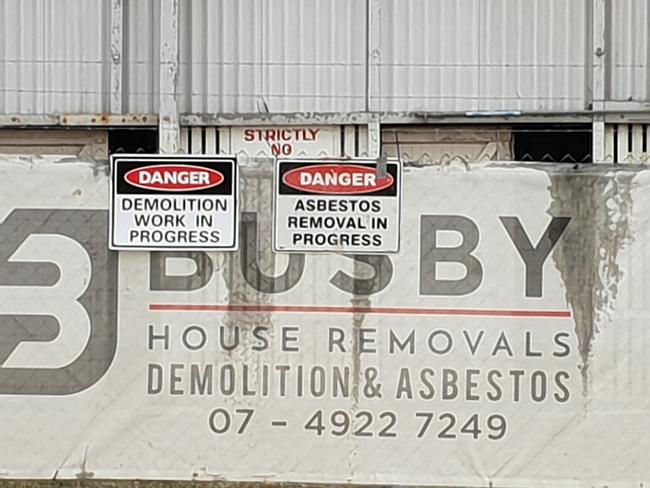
116,70
374,140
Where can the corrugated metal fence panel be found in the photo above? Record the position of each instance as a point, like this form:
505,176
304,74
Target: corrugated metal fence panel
480,55
253,56
532,55
52,56
141,56
441,73
281,56
630,51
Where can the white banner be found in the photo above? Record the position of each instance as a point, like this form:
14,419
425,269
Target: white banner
505,344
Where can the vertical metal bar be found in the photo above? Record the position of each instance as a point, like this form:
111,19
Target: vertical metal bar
373,75
374,140
598,149
368,57
210,140
637,143
623,143
168,120
373,56
599,54
224,140
362,139
598,91
609,143
116,70
196,135
645,149
184,143
349,136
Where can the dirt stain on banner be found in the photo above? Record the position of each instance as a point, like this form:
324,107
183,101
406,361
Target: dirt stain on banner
249,272
358,301
600,205
252,275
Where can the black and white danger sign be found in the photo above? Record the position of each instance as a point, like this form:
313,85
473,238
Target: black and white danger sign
173,202
337,206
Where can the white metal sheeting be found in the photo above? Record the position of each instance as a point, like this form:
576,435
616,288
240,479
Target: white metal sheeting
141,55
280,56
53,56
479,55
337,56
630,51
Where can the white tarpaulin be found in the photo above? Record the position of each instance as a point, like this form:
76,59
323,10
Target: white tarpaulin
506,344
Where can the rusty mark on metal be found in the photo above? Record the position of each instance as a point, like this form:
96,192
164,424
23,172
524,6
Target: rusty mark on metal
107,119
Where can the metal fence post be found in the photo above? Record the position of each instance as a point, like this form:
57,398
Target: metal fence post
599,56
168,120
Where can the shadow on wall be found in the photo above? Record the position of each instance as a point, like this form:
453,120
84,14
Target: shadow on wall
133,141
553,143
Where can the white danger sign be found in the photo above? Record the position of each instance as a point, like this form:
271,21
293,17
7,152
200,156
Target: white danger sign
173,203
337,206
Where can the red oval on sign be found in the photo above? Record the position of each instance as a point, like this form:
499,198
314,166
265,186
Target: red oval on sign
174,177
336,179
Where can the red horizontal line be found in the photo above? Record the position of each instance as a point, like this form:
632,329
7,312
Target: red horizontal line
466,312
